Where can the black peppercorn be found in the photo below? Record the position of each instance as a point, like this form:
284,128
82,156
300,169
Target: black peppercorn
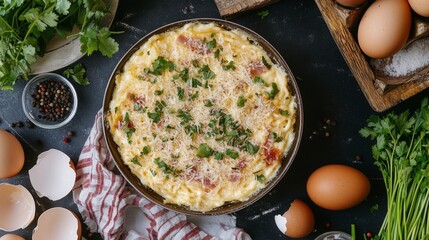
53,100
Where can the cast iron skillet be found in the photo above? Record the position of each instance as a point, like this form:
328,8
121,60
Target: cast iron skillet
228,207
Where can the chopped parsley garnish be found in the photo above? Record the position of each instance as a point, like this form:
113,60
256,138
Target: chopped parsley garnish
128,128
156,116
184,75
260,178
193,96
181,93
283,112
219,155
259,80
163,166
211,44
273,92
195,63
206,72
241,101
185,116
158,92
250,148
195,83
145,151
204,151
208,103
275,137
116,109
160,65
264,61
135,161
164,139
233,154
191,129
229,66
153,172
217,53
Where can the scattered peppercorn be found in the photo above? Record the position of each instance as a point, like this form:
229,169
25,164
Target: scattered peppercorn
327,224
324,129
12,125
53,99
368,235
70,133
67,140
29,124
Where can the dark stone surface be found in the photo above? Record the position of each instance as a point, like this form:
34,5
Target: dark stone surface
297,30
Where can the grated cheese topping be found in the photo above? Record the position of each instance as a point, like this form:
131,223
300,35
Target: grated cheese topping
202,116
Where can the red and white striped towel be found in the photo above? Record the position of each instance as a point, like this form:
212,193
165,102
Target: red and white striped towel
116,211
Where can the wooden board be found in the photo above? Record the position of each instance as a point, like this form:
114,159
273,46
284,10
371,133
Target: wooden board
342,24
229,8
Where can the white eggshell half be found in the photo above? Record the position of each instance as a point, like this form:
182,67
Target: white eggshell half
281,223
57,223
52,176
11,237
17,207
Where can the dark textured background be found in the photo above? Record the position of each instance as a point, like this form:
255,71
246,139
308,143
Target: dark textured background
297,30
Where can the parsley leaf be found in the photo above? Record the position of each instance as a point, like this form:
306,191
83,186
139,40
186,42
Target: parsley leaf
283,112
241,101
78,73
260,178
229,66
264,61
273,92
263,14
160,65
180,93
135,161
204,151
211,44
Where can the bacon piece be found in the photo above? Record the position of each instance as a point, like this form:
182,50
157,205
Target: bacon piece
208,184
271,153
256,68
241,165
195,44
235,176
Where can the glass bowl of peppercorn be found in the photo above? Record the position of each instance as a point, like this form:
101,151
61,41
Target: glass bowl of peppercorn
49,100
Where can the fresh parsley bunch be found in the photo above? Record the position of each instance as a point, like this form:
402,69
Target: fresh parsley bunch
401,153
26,26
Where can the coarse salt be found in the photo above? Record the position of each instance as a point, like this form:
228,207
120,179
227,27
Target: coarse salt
406,61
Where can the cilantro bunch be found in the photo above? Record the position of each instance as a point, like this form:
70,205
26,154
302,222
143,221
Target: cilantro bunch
401,153
27,26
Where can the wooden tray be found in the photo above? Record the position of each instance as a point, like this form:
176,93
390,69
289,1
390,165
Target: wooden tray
230,8
382,92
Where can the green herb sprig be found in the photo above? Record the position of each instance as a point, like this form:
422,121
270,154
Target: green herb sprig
27,26
401,153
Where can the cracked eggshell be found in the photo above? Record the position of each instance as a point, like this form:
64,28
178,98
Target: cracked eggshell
11,237
17,207
57,223
53,176
11,155
297,221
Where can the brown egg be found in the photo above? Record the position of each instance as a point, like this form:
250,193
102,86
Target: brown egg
337,187
11,237
351,3
384,28
11,155
297,221
421,7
